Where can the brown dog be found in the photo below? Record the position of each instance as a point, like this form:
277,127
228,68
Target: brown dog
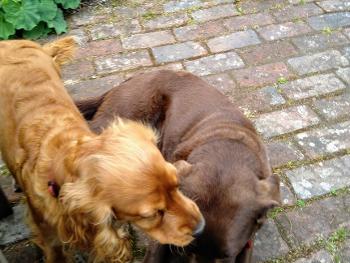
81,188
229,174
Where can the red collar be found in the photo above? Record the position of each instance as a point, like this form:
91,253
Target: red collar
54,188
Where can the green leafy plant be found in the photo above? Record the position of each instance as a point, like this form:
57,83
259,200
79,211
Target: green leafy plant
33,18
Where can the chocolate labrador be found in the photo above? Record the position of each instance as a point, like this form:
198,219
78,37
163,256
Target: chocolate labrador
228,172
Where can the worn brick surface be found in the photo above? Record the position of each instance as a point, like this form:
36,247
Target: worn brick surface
321,178
347,32
94,87
319,219
264,250
282,152
110,30
312,86
320,41
334,107
287,197
173,6
233,41
326,140
333,20
199,31
267,53
77,70
262,75
99,48
222,82
248,21
260,100
318,62
166,21
288,29
299,11
123,62
145,40
321,256
215,13
335,5
284,121
176,52
214,64
344,73
345,251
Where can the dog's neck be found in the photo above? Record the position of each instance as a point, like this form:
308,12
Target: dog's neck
64,164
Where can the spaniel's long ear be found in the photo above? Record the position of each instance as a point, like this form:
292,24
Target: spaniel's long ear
61,50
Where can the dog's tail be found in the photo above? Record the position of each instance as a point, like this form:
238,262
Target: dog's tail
89,106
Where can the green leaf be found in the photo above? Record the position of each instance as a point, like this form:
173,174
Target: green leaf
58,23
72,4
6,28
47,10
22,14
40,30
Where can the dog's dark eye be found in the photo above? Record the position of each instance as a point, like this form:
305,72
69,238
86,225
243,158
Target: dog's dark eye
161,212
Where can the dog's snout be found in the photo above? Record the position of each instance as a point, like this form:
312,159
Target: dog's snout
199,228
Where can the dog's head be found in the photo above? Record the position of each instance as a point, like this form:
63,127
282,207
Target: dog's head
234,199
123,176
19,52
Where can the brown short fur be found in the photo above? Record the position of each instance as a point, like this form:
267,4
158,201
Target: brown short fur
105,180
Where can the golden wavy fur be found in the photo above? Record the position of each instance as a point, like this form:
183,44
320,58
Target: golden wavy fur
105,180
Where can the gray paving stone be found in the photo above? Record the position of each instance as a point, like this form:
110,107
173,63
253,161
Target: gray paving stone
331,59
290,12
346,52
111,30
146,40
260,100
334,107
166,21
234,40
347,32
174,6
214,64
285,121
333,20
13,228
318,179
344,73
215,13
248,21
200,31
319,219
121,62
94,87
326,140
222,82
287,196
289,29
345,251
335,5
179,51
298,1
312,86
283,152
87,16
321,256
320,41
268,243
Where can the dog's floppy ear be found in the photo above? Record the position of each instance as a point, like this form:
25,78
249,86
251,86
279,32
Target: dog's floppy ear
61,50
183,168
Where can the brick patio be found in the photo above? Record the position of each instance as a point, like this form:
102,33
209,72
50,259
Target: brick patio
285,63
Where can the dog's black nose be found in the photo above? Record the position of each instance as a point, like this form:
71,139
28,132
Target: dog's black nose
200,227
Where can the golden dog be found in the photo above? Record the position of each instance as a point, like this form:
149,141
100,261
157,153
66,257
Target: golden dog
80,187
